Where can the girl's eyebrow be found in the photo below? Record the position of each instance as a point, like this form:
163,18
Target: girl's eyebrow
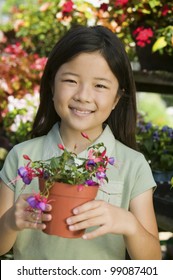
69,73
103,79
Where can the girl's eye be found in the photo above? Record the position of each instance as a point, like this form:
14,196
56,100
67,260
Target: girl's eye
70,81
101,86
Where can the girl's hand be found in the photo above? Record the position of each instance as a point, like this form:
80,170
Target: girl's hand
22,216
109,218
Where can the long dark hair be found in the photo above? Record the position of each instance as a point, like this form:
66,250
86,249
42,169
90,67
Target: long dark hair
122,119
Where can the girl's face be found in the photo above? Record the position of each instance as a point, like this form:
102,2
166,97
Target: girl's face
85,92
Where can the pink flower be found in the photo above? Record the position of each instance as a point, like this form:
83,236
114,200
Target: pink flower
68,7
85,135
121,2
26,157
39,63
61,147
101,169
165,10
15,49
80,188
143,35
91,156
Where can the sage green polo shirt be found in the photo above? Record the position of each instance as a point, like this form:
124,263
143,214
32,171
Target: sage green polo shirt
131,178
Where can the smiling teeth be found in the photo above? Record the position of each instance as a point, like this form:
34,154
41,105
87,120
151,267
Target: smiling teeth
82,112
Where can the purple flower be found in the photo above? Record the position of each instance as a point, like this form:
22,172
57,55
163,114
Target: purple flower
165,128
156,135
32,201
148,126
37,202
90,162
46,175
27,180
22,171
90,183
100,175
111,160
26,175
42,206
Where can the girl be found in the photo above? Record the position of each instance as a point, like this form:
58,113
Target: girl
87,86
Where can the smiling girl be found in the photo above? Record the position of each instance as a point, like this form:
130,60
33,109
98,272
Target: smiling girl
87,86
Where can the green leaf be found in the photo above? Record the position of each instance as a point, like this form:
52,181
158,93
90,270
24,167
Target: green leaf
159,44
54,163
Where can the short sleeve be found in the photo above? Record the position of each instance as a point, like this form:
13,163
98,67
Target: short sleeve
8,173
143,178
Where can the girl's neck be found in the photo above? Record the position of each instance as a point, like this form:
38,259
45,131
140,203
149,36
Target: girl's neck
74,141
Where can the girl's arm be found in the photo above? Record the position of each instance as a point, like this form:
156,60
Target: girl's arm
14,217
143,241
7,233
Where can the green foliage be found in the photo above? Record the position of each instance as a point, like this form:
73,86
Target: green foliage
69,168
158,116
156,143
40,25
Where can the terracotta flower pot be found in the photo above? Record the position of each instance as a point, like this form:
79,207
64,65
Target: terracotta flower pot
64,198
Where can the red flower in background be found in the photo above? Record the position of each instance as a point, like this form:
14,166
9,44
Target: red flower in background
67,7
121,3
143,36
165,10
104,7
15,49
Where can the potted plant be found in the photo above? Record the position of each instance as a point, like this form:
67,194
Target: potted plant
156,143
78,177
148,24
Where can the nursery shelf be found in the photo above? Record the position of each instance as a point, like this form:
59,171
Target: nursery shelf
154,81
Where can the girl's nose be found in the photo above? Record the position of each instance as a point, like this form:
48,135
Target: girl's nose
83,94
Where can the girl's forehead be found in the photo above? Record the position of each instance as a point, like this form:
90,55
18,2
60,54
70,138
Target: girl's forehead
93,61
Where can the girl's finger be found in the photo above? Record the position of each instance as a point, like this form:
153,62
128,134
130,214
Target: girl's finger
88,206
85,216
97,221
95,233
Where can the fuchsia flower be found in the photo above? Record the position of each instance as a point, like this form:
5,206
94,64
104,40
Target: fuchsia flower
85,135
61,147
101,175
91,156
26,157
90,183
26,174
111,160
37,201
67,168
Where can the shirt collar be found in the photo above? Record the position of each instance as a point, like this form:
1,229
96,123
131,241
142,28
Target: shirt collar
53,138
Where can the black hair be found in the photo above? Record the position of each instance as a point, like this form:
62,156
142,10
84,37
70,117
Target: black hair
122,119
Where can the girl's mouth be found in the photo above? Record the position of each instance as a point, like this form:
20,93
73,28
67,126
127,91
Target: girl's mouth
81,112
